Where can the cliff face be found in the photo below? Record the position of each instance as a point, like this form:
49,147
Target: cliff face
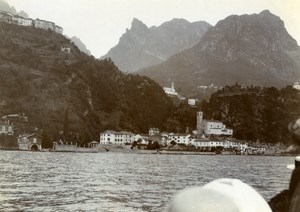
249,49
45,76
141,46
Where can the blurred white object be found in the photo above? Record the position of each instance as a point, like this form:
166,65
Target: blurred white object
222,195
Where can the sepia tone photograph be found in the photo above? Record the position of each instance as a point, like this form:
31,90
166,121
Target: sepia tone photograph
150,105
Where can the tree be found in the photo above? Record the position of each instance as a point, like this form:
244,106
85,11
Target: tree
173,143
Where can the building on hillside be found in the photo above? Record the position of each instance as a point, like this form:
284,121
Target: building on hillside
211,127
58,29
42,24
6,127
30,142
116,138
65,49
170,91
19,20
153,131
296,85
192,102
6,17
37,23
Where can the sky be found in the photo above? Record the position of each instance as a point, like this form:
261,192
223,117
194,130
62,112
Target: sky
100,23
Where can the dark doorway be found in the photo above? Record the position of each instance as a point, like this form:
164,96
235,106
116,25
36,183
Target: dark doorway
34,147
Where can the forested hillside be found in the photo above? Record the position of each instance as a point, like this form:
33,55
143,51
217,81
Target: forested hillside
65,92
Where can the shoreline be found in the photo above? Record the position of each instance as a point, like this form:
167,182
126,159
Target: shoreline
160,152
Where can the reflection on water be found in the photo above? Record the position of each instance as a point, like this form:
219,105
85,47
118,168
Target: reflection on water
39,181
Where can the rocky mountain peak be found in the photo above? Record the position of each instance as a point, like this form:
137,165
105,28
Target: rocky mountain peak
250,49
137,25
141,46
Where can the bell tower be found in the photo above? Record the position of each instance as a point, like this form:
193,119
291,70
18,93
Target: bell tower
199,122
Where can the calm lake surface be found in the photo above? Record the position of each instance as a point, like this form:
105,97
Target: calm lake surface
52,181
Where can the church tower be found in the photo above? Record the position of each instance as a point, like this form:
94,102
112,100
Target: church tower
199,122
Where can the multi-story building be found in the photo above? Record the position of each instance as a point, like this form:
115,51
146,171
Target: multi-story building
211,127
6,128
116,138
37,23
179,138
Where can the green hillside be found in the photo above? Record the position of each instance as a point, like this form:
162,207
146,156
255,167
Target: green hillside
73,92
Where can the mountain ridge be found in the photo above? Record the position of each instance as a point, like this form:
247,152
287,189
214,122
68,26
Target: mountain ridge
141,46
249,49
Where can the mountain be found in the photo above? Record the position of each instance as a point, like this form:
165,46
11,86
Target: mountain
249,49
4,6
44,75
141,46
80,45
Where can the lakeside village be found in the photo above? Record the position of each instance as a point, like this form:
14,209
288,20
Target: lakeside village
210,137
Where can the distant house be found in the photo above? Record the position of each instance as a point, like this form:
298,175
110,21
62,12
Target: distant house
153,131
170,91
30,142
296,85
179,138
192,102
6,128
116,138
65,49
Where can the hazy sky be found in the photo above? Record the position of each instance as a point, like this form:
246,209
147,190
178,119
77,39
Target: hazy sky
100,23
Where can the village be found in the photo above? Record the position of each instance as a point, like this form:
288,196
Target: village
210,136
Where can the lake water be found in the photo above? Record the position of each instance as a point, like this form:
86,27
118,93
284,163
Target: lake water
52,181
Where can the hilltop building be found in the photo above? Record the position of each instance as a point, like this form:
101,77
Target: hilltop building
211,127
296,85
170,91
37,23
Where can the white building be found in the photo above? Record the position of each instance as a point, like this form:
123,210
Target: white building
6,128
211,127
192,102
207,143
170,91
296,85
227,144
19,20
179,138
116,138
